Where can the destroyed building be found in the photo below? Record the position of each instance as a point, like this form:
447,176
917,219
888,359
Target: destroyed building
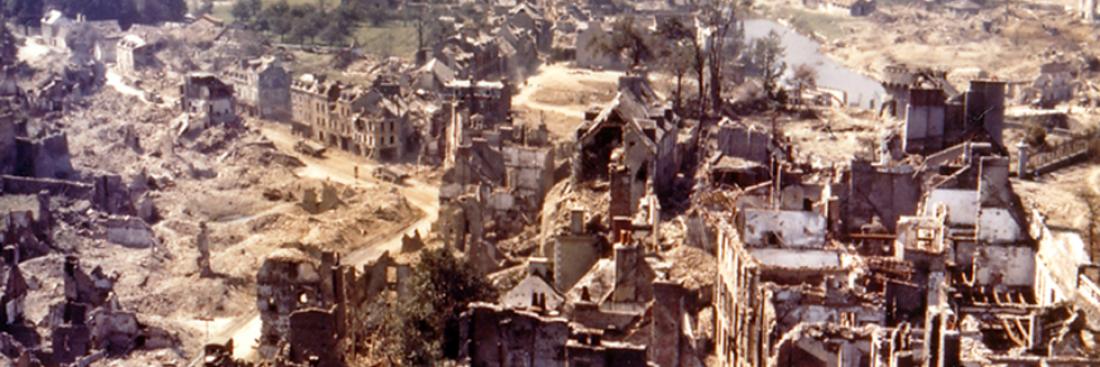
207,100
134,53
373,122
935,121
302,306
631,142
925,257
262,87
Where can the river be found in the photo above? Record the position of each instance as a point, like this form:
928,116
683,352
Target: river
860,89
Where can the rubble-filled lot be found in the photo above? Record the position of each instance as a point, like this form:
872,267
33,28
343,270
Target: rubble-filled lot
232,179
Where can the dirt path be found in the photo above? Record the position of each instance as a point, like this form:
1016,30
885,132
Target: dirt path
559,76
338,167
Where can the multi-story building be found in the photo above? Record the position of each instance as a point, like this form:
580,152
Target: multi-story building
207,99
382,129
371,122
263,88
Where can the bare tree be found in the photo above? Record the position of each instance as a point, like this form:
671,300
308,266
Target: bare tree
805,77
725,34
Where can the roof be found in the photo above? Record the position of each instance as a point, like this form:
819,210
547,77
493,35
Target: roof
53,17
520,295
439,69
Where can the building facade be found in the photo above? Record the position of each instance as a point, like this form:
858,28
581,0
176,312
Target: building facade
207,99
263,88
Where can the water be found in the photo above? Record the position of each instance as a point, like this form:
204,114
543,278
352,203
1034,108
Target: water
861,89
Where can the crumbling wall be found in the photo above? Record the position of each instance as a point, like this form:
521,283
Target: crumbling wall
886,193
495,336
45,157
746,142
313,333
7,144
287,281
130,231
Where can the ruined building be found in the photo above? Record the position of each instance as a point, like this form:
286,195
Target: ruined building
308,305
302,307
134,53
631,142
373,121
934,121
207,100
887,264
262,87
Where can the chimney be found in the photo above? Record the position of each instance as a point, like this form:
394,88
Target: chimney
576,224
627,256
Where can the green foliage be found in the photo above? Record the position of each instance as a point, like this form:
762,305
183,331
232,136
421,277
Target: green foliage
306,22
766,57
247,11
8,48
24,12
125,11
441,287
627,38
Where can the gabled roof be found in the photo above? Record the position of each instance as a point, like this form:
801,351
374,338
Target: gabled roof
520,296
439,69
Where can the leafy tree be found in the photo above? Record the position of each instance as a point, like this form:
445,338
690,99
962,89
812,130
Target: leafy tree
246,11
306,22
425,21
334,34
442,286
25,12
680,54
627,38
276,18
766,57
8,48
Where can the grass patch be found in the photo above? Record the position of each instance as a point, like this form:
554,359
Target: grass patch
391,39
813,21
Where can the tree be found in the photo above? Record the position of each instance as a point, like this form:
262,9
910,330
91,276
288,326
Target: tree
9,50
626,38
25,12
680,53
334,34
725,35
766,57
306,22
276,18
247,11
426,21
441,287
805,77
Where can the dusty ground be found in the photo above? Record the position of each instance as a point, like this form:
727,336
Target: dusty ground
560,94
1017,39
219,177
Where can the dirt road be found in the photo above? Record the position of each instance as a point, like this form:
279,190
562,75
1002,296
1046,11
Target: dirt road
338,167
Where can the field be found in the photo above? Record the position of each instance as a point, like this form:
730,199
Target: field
392,38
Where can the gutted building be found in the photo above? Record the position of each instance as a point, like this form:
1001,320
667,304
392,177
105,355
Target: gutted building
262,87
